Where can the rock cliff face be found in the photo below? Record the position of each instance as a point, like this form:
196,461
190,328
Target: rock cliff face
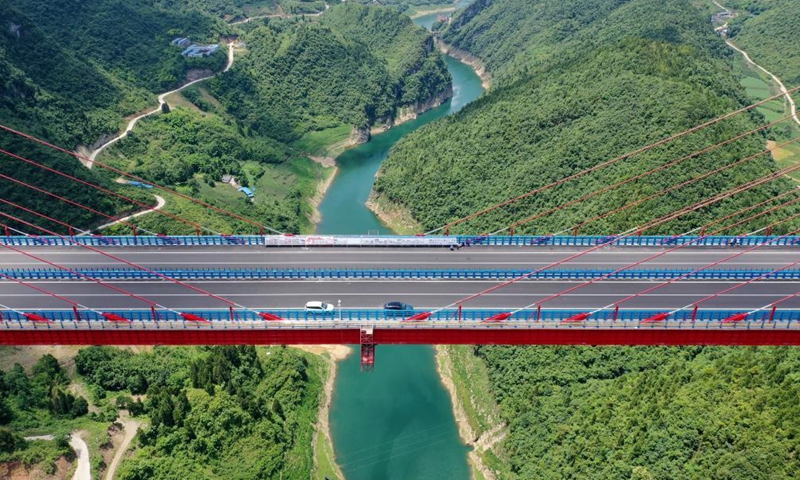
360,135
410,112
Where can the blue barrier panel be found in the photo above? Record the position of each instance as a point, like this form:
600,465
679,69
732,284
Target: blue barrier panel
448,274
687,317
346,240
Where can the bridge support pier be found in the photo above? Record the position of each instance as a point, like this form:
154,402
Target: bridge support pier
367,349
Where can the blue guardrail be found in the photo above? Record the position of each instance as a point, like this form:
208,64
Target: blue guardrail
255,240
702,318
354,274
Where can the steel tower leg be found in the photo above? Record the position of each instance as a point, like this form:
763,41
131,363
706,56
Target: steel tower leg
367,349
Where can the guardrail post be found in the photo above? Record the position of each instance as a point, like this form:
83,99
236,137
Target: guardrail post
77,315
616,312
459,312
694,314
233,316
772,313
538,312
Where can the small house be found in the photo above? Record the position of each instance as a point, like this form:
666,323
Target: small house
247,191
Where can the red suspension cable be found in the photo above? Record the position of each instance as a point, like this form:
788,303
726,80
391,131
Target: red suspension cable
606,163
649,225
661,254
132,226
122,260
261,227
645,174
197,226
69,227
630,205
81,275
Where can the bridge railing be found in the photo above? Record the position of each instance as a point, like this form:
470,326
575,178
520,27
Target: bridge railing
411,273
395,241
688,318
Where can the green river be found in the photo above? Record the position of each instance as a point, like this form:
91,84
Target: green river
396,422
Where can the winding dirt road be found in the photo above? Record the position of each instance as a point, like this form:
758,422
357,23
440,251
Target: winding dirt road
130,427
784,90
84,469
159,206
161,102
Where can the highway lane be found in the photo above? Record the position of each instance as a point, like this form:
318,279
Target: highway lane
372,258
371,294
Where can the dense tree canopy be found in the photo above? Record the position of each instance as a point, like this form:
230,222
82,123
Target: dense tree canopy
215,412
647,413
576,84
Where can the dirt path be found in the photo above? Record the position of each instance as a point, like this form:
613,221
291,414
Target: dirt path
279,15
84,469
83,472
161,102
159,206
130,427
784,90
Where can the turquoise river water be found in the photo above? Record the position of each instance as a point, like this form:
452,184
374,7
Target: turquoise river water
396,422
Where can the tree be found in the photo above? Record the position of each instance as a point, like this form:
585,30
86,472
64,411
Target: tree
10,441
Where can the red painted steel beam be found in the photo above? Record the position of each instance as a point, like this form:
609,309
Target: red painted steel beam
578,335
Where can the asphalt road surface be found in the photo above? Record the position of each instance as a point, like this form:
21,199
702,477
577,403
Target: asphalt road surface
473,257
423,294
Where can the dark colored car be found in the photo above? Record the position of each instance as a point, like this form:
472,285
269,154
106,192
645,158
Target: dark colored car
399,306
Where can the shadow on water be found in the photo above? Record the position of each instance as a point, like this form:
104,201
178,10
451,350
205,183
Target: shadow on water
397,422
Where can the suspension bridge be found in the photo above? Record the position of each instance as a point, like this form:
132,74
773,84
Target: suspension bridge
729,280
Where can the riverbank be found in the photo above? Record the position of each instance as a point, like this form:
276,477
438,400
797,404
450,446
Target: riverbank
322,189
469,59
421,12
476,415
325,465
394,216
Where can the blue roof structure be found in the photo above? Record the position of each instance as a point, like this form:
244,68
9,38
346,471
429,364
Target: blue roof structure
246,191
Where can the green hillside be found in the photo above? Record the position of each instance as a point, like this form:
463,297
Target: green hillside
578,83
646,413
767,30
299,86
69,73
205,412
358,66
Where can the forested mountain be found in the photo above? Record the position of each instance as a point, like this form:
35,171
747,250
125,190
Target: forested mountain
206,413
357,66
646,413
69,73
767,29
577,83
417,72
138,52
299,82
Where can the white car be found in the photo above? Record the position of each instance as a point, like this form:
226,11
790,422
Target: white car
319,307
